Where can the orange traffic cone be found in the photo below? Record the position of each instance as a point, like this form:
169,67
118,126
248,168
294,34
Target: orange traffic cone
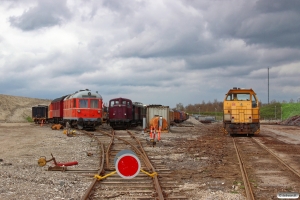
151,133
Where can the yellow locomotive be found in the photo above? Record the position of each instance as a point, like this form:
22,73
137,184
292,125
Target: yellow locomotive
241,112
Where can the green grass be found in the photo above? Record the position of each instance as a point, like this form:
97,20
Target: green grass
284,110
29,119
290,109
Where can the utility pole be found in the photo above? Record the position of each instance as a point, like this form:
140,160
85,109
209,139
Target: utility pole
275,112
281,112
216,114
268,85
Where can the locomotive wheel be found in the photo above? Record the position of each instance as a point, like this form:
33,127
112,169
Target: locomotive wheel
80,123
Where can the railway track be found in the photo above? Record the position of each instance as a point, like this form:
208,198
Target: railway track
153,182
264,173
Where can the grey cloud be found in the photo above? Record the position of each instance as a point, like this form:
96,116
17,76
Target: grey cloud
277,5
177,38
46,14
277,57
269,23
125,7
224,57
151,51
273,30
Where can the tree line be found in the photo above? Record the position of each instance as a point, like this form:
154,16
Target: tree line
204,107
217,106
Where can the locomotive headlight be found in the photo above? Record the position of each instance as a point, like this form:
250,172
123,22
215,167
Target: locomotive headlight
250,120
114,113
78,111
99,111
124,113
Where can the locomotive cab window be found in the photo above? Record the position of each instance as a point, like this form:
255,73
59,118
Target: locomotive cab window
243,97
94,103
112,103
83,103
128,104
123,102
254,102
229,97
238,97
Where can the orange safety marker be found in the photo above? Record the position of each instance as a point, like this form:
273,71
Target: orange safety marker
151,134
158,135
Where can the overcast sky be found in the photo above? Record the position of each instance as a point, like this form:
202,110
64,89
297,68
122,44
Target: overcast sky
155,52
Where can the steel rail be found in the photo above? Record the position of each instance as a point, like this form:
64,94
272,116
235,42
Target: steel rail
155,179
249,192
279,159
136,150
146,160
108,148
101,164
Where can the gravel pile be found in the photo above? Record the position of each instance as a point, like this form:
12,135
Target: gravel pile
294,121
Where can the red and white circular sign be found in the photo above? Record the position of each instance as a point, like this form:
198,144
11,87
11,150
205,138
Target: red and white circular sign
127,164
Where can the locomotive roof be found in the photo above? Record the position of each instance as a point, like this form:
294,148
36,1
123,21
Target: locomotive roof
58,99
119,99
84,94
239,90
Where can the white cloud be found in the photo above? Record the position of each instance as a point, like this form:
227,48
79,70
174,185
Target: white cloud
162,52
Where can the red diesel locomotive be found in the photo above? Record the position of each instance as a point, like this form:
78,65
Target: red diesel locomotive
82,109
123,113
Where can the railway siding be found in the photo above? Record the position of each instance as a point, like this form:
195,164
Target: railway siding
267,175
143,185
195,162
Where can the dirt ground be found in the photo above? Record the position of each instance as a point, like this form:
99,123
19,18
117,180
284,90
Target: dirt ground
201,158
22,144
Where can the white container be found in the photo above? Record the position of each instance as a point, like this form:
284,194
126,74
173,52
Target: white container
157,110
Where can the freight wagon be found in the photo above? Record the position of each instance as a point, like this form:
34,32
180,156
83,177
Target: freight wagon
39,114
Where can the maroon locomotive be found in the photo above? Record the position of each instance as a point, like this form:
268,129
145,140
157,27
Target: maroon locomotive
123,113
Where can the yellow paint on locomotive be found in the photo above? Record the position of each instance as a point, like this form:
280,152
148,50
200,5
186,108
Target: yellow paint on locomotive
241,112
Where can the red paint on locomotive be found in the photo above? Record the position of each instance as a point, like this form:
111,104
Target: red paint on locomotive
55,110
82,109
